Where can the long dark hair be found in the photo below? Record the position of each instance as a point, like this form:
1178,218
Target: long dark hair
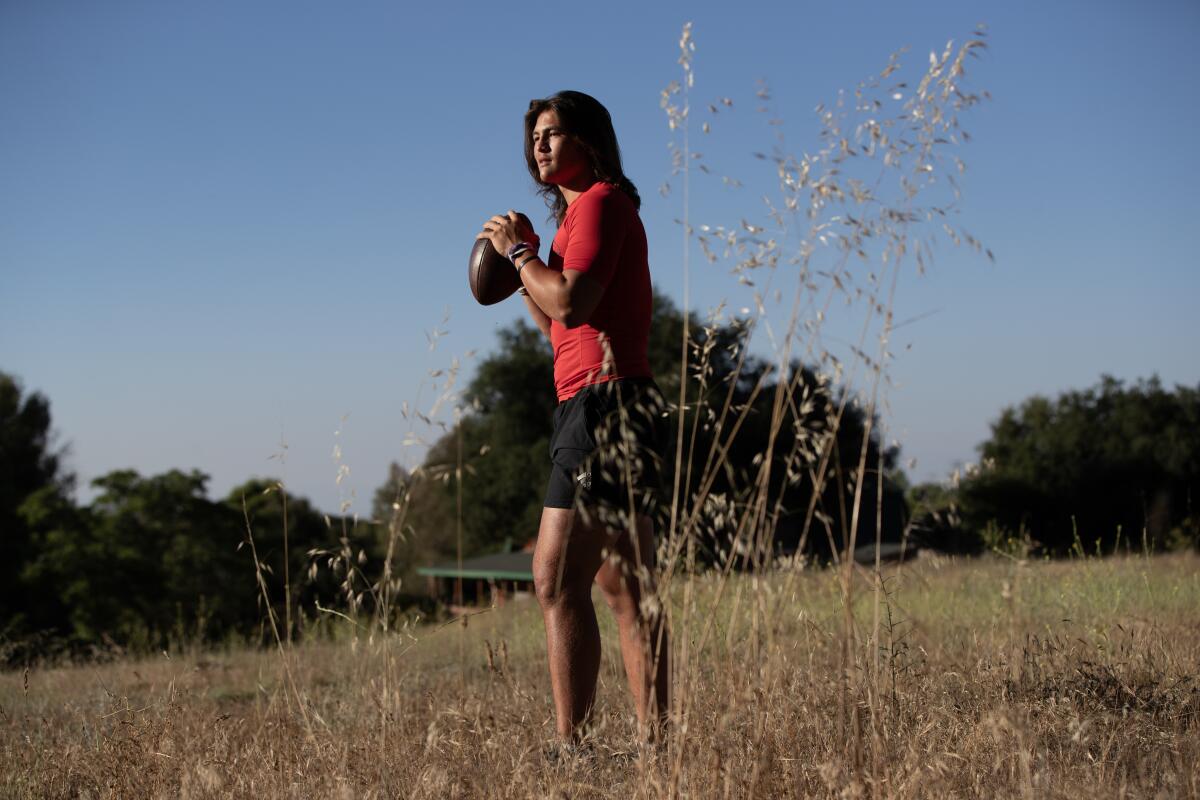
585,120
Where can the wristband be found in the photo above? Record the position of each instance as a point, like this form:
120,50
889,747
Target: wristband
523,291
521,264
516,250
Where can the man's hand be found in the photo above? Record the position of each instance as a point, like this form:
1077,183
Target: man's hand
507,230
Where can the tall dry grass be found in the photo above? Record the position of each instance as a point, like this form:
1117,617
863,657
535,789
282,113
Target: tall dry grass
997,678
844,224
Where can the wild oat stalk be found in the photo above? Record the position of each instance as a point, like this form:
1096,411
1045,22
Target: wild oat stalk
845,221
260,571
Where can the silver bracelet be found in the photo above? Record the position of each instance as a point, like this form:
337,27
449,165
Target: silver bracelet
521,264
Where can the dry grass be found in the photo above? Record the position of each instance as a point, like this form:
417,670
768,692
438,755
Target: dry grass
995,678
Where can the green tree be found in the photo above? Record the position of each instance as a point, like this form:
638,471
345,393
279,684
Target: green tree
800,509
57,528
165,559
30,471
332,544
937,520
1106,461
391,513
502,445
420,512
151,558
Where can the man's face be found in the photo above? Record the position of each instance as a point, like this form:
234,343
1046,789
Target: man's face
559,157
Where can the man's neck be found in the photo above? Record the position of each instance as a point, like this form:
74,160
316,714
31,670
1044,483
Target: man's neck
575,188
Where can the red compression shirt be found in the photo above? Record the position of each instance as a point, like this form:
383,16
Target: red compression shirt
601,235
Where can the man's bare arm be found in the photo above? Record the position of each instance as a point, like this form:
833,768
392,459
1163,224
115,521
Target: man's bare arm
539,317
569,296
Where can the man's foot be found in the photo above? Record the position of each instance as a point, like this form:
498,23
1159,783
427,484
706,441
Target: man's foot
560,753
652,737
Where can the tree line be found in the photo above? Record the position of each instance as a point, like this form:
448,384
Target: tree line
152,559
1112,467
502,447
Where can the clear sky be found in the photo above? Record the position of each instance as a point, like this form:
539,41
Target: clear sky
226,228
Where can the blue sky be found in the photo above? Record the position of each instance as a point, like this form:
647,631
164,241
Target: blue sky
226,228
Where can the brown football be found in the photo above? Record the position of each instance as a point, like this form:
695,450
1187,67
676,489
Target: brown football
492,276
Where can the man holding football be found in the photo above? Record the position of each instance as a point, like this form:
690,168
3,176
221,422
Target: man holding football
592,298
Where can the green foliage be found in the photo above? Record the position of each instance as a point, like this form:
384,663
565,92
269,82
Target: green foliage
937,521
505,443
263,509
29,473
161,557
501,449
56,529
397,539
151,560
416,517
804,510
1108,466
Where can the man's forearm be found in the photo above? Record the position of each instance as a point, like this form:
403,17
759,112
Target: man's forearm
546,287
539,317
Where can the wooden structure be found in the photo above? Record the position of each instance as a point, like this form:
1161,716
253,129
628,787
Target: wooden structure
483,580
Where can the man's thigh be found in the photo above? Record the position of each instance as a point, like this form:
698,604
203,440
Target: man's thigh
567,554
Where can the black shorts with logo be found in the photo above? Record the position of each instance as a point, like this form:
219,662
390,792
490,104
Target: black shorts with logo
606,450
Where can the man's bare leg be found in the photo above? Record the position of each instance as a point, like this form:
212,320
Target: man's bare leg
565,561
625,578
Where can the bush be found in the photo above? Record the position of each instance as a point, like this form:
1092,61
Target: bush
1105,468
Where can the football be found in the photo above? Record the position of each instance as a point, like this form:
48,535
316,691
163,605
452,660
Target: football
491,275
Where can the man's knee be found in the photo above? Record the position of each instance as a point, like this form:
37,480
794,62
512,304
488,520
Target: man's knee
552,588
620,588
620,600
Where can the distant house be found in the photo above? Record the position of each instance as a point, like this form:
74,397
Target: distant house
484,580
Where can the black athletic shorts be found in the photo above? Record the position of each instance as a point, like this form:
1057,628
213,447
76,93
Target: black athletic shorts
606,450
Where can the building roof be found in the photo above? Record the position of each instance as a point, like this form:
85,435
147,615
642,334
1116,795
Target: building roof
497,566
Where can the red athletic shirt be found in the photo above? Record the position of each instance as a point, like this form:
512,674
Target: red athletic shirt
602,235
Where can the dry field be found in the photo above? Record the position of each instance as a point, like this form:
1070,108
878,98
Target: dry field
991,677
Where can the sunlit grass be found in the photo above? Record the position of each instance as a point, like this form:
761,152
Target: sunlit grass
997,678
994,677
